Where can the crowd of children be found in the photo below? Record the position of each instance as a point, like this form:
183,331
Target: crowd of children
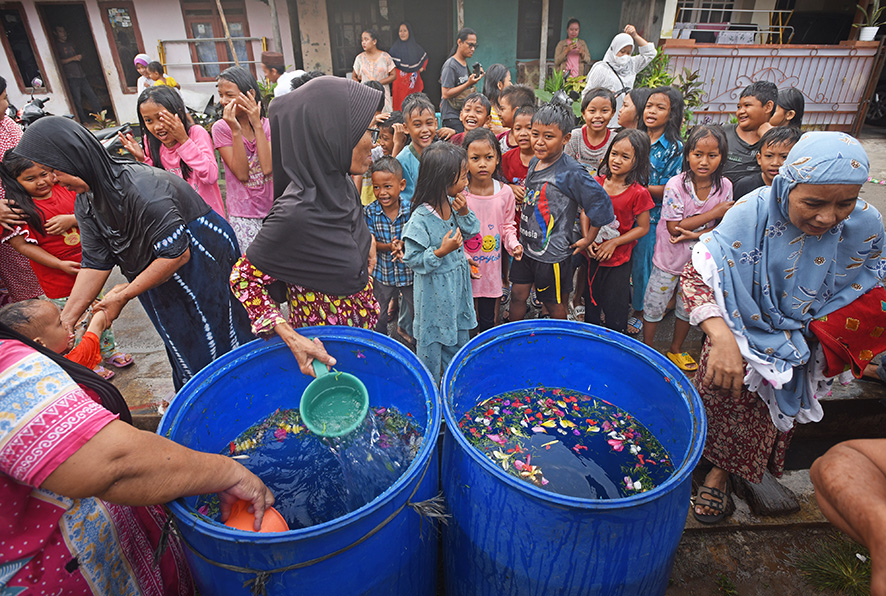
521,207
601,217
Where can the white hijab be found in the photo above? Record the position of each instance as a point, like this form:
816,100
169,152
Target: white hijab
621,64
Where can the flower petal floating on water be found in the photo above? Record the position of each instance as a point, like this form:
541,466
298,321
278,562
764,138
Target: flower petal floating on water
496,439
616,444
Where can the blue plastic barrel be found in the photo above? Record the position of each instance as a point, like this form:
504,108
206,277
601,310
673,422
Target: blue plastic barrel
509,537
243,387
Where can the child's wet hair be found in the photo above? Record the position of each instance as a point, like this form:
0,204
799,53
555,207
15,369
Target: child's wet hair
639,97
481,99
396,117
556,115
245,82
697,134
495,74
302,79
378,87
778,135
19,316
11,168
387,164
517,96
640,142
170,100
441,166
792,99
525,111
416,102
674,122
763,91
484,135
155,67
594,94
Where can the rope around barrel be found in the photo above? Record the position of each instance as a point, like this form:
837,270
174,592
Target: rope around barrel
430,507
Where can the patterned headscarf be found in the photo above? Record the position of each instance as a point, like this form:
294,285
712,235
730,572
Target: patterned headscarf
775,279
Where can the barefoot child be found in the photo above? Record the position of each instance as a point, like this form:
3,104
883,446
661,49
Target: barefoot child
755,108
444,313
391,279
623,176
588,145
493,204
693,202
172,143
556,187
474,114
243,139
40,320
421,125
773,150
514,168
50,238
662,120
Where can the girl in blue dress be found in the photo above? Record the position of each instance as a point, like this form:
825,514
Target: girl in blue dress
433,239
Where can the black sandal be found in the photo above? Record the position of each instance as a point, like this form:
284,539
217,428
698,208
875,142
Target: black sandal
703,501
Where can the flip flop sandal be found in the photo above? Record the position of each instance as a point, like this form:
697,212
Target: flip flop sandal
684,361
635,323
104,373
703,501
120,360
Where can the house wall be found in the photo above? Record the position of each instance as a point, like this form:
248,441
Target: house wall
157,19
313,24
495,22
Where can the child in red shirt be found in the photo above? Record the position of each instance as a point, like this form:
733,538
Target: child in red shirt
40,320
50,237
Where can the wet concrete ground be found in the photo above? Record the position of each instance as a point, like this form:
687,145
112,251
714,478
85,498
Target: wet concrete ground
749,551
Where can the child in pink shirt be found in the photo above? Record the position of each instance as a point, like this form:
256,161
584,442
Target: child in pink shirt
173,144
693,203
243,138
494,205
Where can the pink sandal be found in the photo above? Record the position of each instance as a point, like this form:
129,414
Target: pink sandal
120,360
104,373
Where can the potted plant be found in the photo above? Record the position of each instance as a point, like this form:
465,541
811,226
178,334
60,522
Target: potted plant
872,20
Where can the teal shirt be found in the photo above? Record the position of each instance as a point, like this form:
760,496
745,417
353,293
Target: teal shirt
444,302
410,161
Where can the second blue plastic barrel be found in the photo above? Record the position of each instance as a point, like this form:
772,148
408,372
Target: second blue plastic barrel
398,554
509,537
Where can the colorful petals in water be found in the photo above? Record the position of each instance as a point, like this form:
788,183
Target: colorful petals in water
616,444
280,434
496,439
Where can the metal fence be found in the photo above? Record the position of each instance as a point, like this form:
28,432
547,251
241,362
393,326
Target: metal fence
837,81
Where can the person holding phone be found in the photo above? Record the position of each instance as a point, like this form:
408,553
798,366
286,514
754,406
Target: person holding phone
572,55
457,80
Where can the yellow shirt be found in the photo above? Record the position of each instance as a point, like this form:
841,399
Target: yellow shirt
166,80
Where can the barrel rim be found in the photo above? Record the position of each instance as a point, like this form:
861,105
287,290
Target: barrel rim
187,516
525,328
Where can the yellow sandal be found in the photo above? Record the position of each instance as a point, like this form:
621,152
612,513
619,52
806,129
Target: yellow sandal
684,361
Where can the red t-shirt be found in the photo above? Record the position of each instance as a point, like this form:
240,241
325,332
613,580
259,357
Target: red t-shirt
512,167
56,283
627,206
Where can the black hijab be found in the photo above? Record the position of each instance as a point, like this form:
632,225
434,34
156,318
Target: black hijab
315,235
408,56
130,206
110,396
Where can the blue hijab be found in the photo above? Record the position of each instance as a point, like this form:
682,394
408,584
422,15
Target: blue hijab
777,279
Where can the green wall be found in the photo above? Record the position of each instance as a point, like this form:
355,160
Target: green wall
495,22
